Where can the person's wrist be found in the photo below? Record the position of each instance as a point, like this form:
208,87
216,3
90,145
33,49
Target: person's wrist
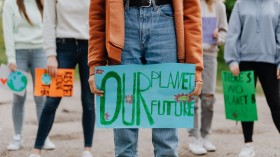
201,82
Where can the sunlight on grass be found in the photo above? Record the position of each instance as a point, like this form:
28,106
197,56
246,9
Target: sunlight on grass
3,58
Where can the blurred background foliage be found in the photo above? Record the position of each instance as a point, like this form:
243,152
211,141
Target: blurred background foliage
221,63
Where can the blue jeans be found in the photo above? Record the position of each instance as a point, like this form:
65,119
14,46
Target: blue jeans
28,59
149,39
70,52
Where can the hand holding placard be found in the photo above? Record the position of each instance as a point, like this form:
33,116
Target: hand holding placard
59,86
208,29
239,96
15,81
145,96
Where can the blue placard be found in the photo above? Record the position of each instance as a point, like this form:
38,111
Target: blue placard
208,28
145,96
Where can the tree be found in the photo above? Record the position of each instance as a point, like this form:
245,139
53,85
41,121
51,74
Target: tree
229,6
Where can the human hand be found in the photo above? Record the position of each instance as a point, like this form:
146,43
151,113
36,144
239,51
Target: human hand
197,89
234,68
12,66
278,74
52,66
216,33
93,87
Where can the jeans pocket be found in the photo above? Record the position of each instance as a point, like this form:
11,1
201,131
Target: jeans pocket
166,11
62,46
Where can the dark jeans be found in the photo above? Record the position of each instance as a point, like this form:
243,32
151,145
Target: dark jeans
266,73
70,52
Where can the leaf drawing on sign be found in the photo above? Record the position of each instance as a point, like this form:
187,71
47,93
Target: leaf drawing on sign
183,97
106,115
129,99
190,99
99,71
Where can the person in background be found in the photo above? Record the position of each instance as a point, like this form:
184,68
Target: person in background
199,138
145,32
22,27
65,37
253,44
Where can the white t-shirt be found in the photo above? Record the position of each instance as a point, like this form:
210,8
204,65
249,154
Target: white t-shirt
64,19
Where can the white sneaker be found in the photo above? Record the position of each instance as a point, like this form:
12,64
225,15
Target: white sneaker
86,154
16,143
34,155
196,147
48,145
208,145
247,151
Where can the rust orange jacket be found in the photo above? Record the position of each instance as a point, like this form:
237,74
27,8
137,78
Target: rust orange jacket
106,33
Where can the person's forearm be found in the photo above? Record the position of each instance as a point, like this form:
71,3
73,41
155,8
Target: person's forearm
49,29
8,26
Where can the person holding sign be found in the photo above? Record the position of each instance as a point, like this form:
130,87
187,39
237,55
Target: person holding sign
214,24
145,32
253,44
65,36
22,27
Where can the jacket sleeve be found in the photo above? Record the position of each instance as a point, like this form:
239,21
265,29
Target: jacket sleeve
97,26
222,25
193,35
231,53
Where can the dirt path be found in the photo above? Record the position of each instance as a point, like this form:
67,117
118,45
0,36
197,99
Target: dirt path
68,137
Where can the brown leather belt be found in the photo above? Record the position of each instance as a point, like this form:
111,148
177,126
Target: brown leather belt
147,3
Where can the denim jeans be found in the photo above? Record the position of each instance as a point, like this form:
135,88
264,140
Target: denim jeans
149,39
209,75
27,59
70,52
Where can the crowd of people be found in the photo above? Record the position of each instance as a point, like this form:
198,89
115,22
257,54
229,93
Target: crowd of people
55,34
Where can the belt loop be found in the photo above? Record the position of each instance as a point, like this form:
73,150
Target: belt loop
126,5
63,41
154,5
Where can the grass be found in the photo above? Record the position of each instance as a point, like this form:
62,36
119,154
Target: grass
3,58
222,66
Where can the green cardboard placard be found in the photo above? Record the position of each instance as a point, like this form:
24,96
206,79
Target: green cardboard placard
240,96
